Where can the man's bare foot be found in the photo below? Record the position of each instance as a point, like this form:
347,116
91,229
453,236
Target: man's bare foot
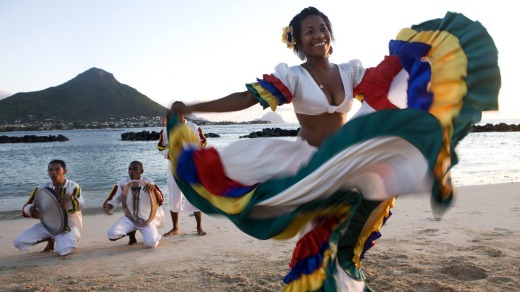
131,238
201,232
172,232
50,246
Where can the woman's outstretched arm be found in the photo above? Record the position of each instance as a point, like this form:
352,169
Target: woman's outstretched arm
233,102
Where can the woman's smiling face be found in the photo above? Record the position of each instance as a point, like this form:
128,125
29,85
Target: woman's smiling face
315,37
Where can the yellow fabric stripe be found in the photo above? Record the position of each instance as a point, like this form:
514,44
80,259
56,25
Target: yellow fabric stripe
312,281
266,95
181,134
74,200
444,163
373,223
31,198
226,204
449,71
302,219
449,87
359,97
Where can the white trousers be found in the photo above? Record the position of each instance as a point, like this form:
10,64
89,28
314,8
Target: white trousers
178,202
65,242
123,226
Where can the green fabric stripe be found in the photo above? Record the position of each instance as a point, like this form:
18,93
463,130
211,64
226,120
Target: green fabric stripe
483,78
347,241
262,101
172,121
418,127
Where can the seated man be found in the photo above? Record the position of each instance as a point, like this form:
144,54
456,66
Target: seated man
69,197
124,226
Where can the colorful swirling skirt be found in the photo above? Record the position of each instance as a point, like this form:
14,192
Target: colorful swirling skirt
341,194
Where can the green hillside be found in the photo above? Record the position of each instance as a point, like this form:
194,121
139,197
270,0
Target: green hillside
93,96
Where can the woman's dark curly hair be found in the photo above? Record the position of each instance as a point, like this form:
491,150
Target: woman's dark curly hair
296,24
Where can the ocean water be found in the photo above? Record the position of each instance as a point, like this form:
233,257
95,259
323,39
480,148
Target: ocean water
97,159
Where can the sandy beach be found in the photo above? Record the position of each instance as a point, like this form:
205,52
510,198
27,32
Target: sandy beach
475,247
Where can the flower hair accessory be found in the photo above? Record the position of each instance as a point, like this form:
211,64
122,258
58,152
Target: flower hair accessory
288,37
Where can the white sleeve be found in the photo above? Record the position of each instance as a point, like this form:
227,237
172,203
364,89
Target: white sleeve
116,199
283,72
27,209
148,180
357,71
165,153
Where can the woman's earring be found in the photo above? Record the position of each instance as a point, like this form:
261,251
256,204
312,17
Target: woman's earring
301,55
330,51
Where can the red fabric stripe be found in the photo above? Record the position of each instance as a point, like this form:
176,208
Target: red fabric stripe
280,86
377,81
111,195
211,172
30,201
202,138
161,144
311,243
160,202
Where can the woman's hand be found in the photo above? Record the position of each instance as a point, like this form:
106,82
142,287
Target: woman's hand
180,108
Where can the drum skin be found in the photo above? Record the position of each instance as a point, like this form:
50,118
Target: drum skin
52,215
139,206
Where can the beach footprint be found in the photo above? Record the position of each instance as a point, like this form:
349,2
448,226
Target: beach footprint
429,232
464,271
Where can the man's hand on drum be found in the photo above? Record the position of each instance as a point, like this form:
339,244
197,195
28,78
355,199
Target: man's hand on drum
107,208
148,188
34,212
64,199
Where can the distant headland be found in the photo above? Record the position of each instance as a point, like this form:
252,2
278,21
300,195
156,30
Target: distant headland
93,99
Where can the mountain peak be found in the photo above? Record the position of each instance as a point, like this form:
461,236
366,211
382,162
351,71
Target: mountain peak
92,96
272,117
94,75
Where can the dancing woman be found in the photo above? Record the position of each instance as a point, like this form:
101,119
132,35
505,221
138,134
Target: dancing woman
335,185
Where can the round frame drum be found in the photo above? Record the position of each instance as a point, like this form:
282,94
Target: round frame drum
139,206
52,215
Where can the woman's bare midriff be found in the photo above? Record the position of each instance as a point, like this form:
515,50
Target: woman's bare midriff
316,128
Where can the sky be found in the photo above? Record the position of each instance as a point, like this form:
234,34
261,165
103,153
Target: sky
195,51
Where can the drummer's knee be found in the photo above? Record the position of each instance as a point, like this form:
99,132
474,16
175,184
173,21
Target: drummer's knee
19,244
151,243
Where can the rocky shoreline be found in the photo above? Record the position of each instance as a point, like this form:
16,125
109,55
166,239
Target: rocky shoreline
278,132
151,136
267,132
33,139
272,132
502,127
